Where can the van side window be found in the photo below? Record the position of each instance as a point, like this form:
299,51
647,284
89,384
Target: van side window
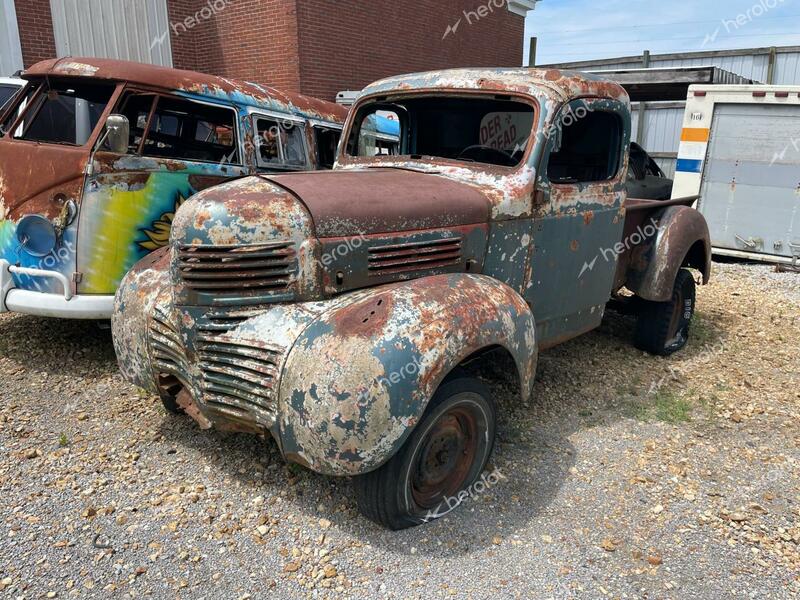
586,147
136,107
327,141
280,144
187,130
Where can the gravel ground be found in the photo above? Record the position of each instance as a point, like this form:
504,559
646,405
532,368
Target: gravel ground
626,476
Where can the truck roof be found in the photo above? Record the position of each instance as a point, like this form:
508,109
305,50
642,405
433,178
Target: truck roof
558,85
190,82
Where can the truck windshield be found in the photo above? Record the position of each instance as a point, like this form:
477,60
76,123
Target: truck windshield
64,113
6,93
480,130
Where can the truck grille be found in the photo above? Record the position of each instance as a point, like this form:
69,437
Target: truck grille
260,270
414,256
169,357
237,374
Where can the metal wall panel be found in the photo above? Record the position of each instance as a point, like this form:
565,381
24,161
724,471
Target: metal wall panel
123,29
10,51
787,69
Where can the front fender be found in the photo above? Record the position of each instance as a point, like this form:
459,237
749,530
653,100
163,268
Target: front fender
681,240
358,379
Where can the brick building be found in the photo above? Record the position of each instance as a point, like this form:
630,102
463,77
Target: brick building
317,47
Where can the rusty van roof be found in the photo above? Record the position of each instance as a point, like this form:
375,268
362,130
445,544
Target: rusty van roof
190,82
558,85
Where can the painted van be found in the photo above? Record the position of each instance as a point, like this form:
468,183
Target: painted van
97,155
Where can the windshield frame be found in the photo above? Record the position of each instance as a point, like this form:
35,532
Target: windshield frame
425,161
40,84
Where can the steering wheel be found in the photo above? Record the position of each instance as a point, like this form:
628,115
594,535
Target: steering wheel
487,154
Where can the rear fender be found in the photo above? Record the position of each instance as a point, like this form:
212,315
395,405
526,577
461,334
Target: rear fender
358,379
680,240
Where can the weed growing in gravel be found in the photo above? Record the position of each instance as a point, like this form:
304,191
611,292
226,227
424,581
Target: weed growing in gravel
702,332
665,406
62,440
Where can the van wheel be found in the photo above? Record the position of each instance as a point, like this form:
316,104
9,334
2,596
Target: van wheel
663,327
445,454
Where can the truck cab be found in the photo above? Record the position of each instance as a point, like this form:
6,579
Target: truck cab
335,310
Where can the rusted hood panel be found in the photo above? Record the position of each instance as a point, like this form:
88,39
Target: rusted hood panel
364,202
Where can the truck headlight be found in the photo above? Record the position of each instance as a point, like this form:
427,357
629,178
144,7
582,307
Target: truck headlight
37,235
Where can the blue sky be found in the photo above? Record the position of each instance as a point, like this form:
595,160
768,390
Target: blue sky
571,30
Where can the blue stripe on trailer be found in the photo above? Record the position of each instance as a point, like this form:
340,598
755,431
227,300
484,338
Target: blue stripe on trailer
687,165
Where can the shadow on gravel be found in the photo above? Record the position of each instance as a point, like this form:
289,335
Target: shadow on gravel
56,346
579,386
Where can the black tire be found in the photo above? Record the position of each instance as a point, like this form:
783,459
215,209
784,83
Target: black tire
460,421
663,327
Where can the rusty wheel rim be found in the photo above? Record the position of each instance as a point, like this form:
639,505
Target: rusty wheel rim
446,457
677,313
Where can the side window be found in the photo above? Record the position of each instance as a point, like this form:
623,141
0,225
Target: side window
585,147
136,107
327,140
280,144
187,130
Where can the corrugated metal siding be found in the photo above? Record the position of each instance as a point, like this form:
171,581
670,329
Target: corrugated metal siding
122,29
751,67
662,132
10,52
787,69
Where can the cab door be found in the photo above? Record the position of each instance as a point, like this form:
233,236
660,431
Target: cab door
578,218
178,146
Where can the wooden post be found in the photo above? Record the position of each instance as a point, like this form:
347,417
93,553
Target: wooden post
773,57
532,55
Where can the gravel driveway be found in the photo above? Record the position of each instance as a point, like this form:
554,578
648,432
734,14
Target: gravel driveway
627,476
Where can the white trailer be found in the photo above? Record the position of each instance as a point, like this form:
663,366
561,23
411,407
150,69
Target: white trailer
740,151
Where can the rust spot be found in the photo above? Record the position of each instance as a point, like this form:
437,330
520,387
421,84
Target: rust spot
574,245
588,217
364,318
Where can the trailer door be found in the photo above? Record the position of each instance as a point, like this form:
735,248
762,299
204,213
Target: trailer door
751,184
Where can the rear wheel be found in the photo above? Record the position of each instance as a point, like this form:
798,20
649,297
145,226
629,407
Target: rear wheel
444,456
662,328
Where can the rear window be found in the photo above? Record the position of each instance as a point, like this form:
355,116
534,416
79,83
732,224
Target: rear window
65,113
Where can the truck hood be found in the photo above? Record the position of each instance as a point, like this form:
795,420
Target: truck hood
371,201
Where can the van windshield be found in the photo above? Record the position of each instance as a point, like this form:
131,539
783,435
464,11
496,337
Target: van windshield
488,130
64,113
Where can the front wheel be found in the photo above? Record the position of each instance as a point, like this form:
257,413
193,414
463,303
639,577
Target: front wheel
662,328
436,468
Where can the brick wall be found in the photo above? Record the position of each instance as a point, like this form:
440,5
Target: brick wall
35,30
351,43
255,40
320,47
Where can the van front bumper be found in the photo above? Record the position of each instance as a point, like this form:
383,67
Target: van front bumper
64,306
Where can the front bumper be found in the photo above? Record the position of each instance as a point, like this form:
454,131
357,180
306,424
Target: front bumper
64,305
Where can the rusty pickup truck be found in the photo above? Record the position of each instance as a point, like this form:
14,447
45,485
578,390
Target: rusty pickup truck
335,311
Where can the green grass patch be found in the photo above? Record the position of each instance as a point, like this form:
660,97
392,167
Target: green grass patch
665,406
